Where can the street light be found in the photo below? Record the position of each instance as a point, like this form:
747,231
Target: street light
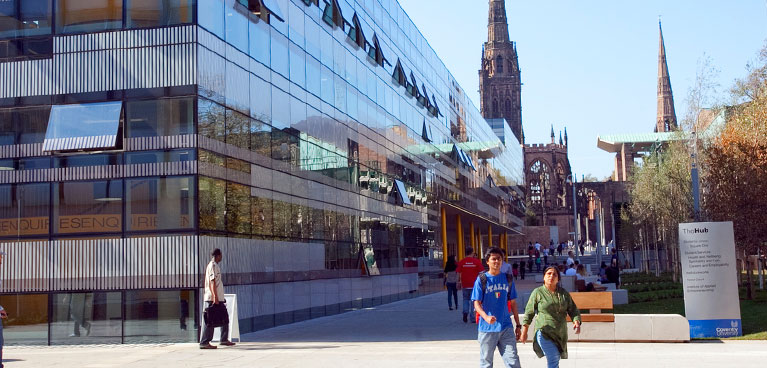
571,180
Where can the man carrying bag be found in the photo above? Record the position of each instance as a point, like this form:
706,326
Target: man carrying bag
215,312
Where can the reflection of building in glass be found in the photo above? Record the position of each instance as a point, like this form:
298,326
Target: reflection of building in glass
321,145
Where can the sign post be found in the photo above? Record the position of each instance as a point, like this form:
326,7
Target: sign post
711,300
234,322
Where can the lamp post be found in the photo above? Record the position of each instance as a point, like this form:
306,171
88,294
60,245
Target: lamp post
571,180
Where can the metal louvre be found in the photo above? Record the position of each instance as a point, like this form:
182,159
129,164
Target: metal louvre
158,143
73,143
26,266
87,264
24,176
105,61
164,262
87,173
161,169
99,264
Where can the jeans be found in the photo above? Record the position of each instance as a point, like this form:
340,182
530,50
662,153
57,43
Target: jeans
452,290
207,332
505,341
550,350
468,305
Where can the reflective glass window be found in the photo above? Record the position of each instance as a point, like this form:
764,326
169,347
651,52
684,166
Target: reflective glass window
85,126
278,8
31,124
327,85
25,18
285,146
165,117
238,208
237,129
280,108
86,318
24,209
261,212
210,15
236,22
260,99
153,13
80,16
101,159
211,119
159,203
260,42
298,114
151,157
87,207
296,25
7,128
212,204
9,18
313,76
261,138
326,48
312,34
34,163
237,87
297,65
279,54
27,322
160,315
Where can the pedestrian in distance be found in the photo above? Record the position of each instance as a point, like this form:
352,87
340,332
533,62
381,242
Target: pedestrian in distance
521,267
469,268
451,282
552,304
493,295
214,295
515,271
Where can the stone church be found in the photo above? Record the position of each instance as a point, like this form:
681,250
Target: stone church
546,165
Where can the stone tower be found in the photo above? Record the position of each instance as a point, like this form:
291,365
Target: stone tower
500,86
666,119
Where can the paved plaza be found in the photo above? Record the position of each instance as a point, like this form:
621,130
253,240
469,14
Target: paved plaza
419,332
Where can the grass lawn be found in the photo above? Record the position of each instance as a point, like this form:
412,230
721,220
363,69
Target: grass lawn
753,313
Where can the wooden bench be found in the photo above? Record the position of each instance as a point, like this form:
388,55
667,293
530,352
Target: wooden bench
594,301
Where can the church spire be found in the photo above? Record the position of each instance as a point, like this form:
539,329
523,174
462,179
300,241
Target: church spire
666,117
497,26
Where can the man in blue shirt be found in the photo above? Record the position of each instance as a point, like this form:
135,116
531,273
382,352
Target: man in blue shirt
493,295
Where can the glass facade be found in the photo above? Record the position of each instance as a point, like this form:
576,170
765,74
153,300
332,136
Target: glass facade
299,150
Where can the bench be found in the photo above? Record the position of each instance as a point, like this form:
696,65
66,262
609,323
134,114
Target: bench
594,301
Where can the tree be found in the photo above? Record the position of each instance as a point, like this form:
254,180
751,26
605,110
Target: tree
736,165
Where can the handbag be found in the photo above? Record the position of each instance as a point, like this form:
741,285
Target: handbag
216,315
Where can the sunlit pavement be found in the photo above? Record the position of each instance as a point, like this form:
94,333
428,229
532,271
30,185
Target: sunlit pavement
419,332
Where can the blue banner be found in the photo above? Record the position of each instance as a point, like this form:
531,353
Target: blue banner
715,328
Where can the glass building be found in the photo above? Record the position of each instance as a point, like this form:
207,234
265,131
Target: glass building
321,144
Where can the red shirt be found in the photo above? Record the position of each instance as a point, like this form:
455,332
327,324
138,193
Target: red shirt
469,268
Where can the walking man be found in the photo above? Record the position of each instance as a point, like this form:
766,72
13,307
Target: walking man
493,295
214,294
469,268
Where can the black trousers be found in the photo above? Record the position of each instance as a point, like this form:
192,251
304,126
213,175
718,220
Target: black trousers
207,332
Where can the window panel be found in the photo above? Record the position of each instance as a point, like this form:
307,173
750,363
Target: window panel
85,160
313,76
297,65
165,117
86,318
261,210
327,85
236,23
160,203
211,120
168,315
279,54
88,207
261,138
312,34
237,129
151,157
280,108
210,15
296,25
260,99
79,16
9,19
238,208
27,322
85,126
212,204
153,13
31,124
260,42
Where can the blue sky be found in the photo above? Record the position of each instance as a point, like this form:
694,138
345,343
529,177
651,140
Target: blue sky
591,65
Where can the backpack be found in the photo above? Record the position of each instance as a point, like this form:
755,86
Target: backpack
483,284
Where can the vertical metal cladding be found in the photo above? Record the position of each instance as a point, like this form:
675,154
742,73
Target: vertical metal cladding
99,264
149,58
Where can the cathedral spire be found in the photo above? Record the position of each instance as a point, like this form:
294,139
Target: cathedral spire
497,26
666,117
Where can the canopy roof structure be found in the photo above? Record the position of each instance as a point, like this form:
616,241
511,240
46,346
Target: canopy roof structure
639,141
